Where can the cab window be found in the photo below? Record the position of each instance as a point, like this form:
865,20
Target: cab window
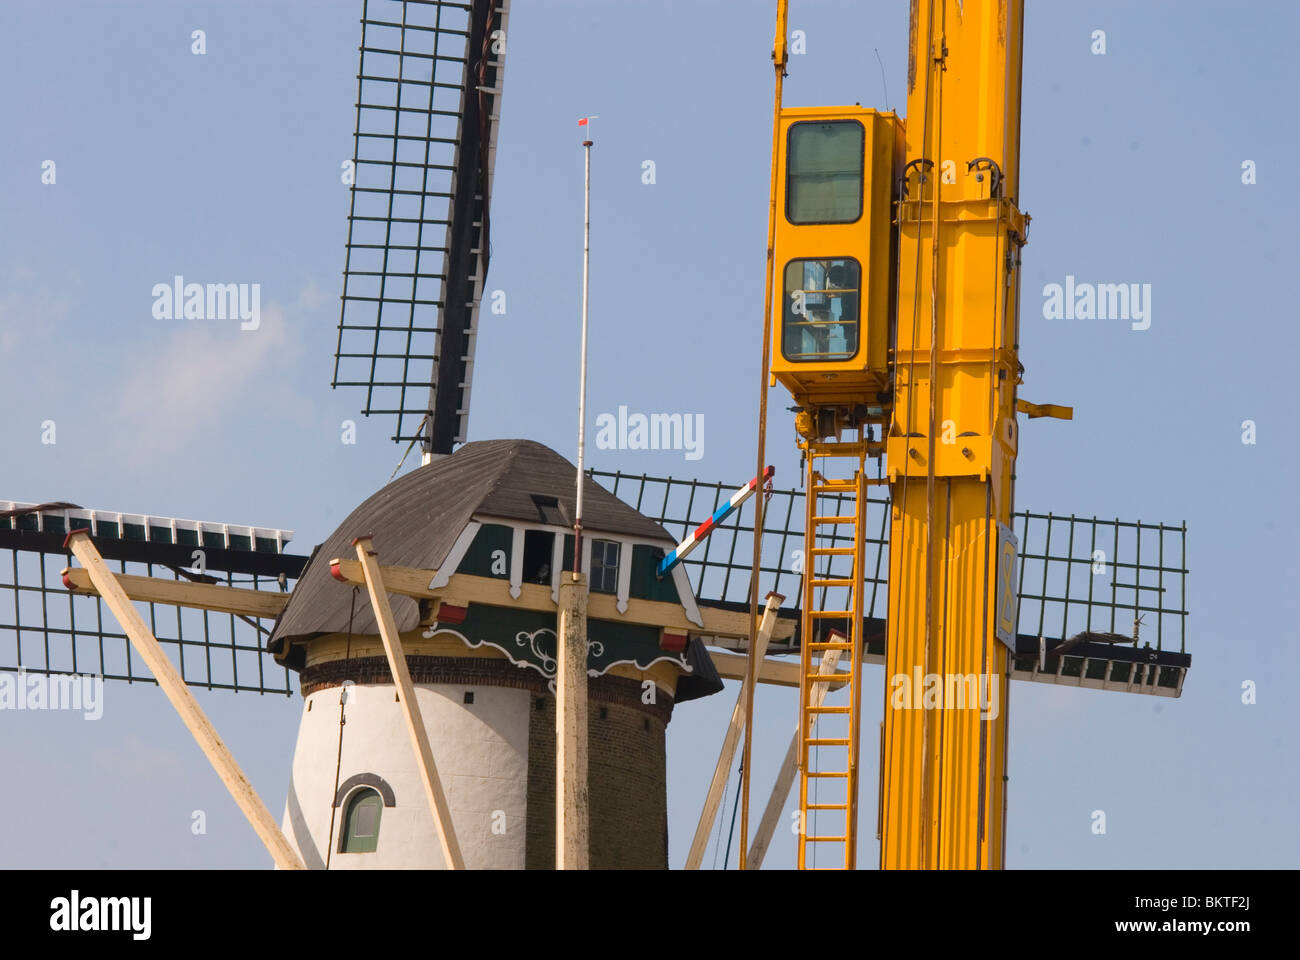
820,316
824,172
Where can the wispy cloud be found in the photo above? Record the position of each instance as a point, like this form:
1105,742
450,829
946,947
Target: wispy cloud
191,379
206,377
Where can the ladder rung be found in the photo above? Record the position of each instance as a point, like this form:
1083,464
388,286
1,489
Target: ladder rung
840,534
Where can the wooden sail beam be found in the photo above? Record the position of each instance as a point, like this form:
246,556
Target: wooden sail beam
204,596
412,582
466,588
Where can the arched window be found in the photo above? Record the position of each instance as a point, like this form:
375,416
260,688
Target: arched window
361,822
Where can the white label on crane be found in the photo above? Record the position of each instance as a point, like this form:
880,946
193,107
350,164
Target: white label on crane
1006,607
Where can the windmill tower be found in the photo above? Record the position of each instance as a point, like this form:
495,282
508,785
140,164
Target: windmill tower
470,547
490,522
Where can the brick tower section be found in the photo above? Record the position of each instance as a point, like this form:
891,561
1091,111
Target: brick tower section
627,778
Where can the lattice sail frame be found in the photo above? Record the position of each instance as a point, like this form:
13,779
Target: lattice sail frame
1075,574
46,629
428,104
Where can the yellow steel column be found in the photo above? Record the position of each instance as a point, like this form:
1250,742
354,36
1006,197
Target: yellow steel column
952,441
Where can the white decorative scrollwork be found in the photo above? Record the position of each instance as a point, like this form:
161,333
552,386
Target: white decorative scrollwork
530,640
526,643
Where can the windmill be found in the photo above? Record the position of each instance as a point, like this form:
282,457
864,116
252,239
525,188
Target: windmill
412,351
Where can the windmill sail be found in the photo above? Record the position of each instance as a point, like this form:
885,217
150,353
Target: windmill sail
1075,574
428,101
46,629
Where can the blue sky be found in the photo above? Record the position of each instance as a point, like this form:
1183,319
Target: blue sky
225,167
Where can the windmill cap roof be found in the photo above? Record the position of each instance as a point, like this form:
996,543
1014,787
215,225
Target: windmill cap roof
416,519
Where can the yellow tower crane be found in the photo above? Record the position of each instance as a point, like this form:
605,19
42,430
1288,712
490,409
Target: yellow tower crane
894,261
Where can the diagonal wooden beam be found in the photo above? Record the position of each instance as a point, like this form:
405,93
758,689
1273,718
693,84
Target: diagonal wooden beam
730,740
173,686
374,579
790,766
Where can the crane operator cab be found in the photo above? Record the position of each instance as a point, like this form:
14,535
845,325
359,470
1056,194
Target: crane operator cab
835,247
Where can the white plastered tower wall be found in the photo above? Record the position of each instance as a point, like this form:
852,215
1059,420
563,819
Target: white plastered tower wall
481,750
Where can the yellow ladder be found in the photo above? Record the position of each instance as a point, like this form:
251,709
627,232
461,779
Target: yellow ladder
828,830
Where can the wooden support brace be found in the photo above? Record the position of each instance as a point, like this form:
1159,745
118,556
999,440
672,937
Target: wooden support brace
730,740
173,686
789,767
572,797
410,708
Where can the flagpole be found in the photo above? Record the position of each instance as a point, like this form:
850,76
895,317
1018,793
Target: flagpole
582,374
572,781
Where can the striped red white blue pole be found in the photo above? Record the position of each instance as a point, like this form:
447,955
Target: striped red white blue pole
704,529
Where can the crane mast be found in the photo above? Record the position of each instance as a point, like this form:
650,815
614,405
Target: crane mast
952,441
895,266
